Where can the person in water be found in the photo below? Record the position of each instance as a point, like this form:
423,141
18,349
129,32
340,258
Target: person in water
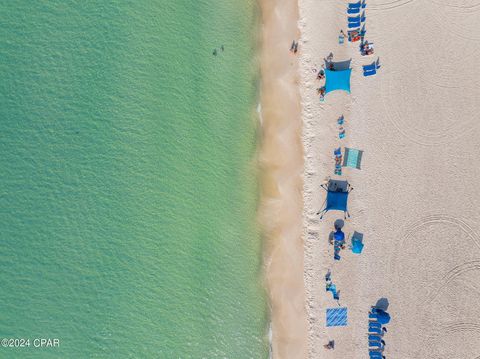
214,52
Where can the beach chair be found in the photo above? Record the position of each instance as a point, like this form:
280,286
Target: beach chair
356,19
375,330
374,324
353,11
375,344
369,70
357,5
375,355
373,316
356,34
373,337
352,25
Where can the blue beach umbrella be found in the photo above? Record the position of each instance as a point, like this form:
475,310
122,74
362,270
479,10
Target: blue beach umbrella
339,235
382,317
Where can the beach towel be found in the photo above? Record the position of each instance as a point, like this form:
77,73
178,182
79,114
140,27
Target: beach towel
352,158
357,243
336,317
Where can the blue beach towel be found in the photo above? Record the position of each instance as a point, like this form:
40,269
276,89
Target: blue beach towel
357,242
336,317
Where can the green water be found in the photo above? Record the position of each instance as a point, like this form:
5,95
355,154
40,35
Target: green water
127,179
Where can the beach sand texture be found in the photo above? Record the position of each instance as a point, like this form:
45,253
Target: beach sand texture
415,198
281,163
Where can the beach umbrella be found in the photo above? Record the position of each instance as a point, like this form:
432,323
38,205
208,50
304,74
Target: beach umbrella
339,235
382,317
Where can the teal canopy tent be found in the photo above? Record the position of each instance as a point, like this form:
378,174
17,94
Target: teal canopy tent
337,80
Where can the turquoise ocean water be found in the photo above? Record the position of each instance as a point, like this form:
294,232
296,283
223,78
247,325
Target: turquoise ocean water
127,179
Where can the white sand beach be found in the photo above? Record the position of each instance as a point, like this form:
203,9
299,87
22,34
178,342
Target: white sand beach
415,198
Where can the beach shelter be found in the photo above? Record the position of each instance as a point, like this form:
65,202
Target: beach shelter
337,80
336,317
337,197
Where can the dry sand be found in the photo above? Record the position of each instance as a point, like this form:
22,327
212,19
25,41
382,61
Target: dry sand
415,198
281,163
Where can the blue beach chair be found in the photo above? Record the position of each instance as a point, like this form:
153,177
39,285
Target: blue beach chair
353,11
357,5
375,330
375,355
375,344
354,25
356,19
374,338
369,70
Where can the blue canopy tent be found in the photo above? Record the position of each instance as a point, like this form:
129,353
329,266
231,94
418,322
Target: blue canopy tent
337,197
337,80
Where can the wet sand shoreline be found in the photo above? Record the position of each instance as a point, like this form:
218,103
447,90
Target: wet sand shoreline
281,165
